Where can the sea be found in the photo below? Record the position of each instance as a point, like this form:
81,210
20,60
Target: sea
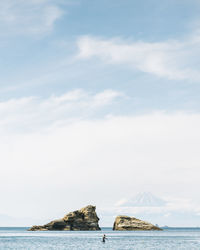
170,238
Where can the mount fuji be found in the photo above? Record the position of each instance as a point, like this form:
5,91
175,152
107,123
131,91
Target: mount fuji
145,199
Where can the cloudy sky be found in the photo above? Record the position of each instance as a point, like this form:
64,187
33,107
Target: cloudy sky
99,101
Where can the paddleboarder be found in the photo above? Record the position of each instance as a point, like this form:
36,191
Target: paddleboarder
104,238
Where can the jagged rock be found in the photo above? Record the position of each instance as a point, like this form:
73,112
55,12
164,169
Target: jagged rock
124,223
83,219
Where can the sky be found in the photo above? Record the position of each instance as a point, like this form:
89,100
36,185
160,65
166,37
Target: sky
99,101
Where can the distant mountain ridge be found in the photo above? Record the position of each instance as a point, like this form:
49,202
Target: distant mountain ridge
145,199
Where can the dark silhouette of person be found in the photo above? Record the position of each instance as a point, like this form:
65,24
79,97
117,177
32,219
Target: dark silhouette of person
104,238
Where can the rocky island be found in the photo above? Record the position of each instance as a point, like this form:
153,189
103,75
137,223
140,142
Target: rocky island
124,223
83,219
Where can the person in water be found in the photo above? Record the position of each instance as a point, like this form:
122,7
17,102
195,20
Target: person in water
104,238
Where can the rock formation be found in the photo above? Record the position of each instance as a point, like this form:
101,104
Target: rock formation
83,219
124,223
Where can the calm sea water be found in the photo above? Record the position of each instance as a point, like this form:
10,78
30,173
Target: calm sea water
176,238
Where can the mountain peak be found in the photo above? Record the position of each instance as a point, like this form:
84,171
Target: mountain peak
145,199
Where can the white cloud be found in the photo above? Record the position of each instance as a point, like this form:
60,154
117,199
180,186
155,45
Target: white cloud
173,204
31,113
172,59
56,158
28,17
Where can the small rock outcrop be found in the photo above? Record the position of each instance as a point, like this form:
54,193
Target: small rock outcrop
83,219
124,223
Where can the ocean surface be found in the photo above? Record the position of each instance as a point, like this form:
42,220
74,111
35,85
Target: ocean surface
170,238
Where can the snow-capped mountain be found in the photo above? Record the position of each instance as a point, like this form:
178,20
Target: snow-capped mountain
145,199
